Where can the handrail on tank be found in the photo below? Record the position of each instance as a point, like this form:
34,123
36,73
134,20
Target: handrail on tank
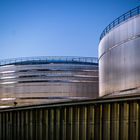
122,18
49,59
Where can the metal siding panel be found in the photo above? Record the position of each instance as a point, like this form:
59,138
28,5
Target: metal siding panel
69,132
76,123
90,122
119,64
83,123
114,121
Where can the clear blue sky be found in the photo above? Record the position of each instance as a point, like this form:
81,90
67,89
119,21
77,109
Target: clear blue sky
56,27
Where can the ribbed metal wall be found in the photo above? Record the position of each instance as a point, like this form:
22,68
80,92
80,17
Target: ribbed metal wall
47,80
99,119
119,56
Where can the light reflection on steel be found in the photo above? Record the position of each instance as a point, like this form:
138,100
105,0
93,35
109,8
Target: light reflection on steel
46,79
119,59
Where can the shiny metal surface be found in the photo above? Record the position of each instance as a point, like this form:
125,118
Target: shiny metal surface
35,81
119,59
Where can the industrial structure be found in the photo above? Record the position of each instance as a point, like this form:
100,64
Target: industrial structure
108,117
47,79
119,55
114,118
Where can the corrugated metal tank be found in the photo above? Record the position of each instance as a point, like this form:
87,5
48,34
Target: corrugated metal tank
119,55
48,79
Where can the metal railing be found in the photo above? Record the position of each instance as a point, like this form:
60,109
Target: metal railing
122,18
49,59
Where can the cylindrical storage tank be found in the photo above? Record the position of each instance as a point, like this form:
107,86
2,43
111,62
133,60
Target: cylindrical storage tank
119,55
48,79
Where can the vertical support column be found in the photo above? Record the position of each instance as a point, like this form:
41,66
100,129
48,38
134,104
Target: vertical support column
34,124
124,120
98,122
57,126
0,126
90,122
40,124
10,126
76,112
51,124
18,125
31,125
26,124
14,124
45,124
22,125
138,107
64,124
4,125
106,121
114,118
7,126
69,123
83,123
134,121
37,125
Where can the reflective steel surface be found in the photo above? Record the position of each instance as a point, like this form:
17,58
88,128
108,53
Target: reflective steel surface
119,59
47,79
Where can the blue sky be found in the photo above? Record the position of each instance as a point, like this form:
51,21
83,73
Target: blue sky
56,27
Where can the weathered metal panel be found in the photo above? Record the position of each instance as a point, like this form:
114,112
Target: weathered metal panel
134,121
63,123
3,125
98,122
110,120
114,121
23,134
30,124
124,121
105,121
76,115
45,124
57,125
0,125
90,122
69,123
51,124
83,123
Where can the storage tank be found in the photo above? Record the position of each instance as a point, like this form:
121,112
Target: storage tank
119,55
47,79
